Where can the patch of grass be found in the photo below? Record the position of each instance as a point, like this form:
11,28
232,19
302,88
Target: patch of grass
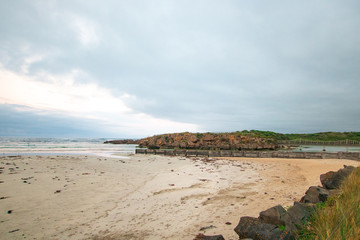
281,227
339,217
322,136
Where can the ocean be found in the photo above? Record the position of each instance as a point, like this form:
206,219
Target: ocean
62,146
96,146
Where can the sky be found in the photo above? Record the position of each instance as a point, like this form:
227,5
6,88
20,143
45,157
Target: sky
132,69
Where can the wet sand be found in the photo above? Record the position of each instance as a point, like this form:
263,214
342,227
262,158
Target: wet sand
145,196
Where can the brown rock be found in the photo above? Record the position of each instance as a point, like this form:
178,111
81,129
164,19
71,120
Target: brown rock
296,216
220,141
273,215
333,180
253,228
315,195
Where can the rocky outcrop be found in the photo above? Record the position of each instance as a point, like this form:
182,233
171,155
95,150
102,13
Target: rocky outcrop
218,141
332,180
254,228
273,215
296,216
277,223
315,195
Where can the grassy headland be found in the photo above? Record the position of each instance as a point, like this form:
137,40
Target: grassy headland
321,136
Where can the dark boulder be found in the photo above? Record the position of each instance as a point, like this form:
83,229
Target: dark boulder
296,216
201,236
273,215
315,195
333,180
253,228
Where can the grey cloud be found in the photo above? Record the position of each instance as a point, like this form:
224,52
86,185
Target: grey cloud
33,123
283,66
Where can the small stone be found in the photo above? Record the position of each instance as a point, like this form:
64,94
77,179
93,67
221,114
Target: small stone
207,227
201,236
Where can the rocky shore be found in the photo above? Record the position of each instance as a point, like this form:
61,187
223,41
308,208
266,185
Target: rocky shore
205,141
278,223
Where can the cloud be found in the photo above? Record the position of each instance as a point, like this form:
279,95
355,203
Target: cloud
26,122
85,30
46,94
218,66
30,60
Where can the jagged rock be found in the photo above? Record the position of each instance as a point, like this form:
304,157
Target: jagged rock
273,215
315,195
333,180
219,141
253,228
296,216
201,236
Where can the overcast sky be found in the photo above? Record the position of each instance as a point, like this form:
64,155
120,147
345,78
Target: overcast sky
111,68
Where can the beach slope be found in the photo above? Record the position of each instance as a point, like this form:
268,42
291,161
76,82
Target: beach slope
145,196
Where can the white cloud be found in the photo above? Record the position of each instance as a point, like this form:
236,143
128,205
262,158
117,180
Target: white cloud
30,60
60,94
85,30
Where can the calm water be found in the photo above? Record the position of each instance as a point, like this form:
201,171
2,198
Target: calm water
34,146
308,148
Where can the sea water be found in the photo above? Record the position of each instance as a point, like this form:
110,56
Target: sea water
63,146
318,148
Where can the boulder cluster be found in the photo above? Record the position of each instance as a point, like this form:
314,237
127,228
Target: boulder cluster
278,223
206,141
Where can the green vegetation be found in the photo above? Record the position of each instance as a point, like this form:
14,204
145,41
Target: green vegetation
282,227
270,136
323,136
339,217
263,134
326,136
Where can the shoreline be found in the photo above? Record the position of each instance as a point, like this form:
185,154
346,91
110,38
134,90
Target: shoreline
67,153
250,154
146,196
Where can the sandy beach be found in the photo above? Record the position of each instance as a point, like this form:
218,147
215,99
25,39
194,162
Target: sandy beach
145,196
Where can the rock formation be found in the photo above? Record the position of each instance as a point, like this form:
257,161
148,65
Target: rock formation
216,141
332,180
277,223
